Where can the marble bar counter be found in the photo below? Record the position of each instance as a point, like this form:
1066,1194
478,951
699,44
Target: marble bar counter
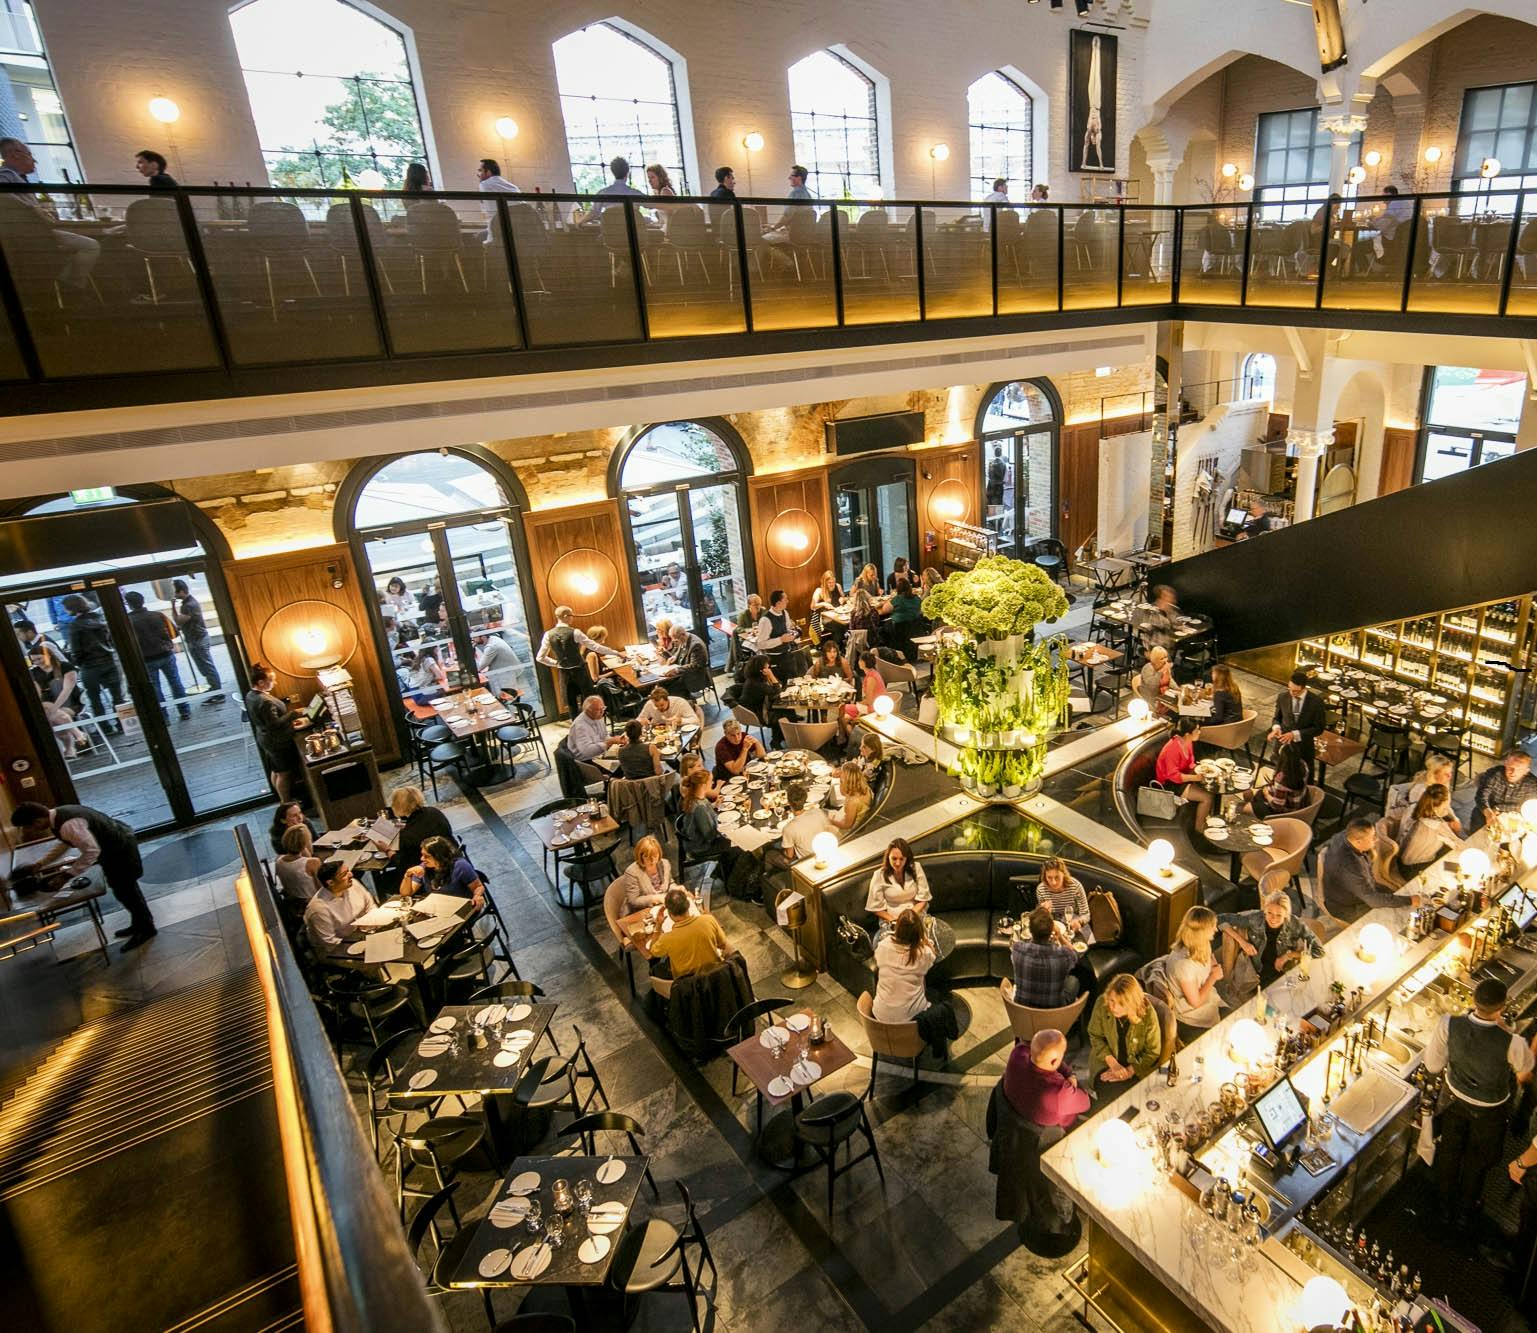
1146,1257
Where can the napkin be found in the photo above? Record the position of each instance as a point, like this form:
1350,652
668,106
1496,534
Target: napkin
386,947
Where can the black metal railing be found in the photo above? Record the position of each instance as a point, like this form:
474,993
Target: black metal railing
117,280
356,1274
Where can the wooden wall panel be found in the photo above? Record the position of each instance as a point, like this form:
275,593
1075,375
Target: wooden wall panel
1398,448
949,488
1078,484
578,559
261,587
16,743
784,508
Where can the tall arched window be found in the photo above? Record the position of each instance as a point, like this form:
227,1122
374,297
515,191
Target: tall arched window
684,492
438,534
1001,116
30,108
835,123
620,98
1258,376
331,91
1018,427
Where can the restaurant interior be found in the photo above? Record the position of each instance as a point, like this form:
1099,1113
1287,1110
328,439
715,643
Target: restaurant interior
837,667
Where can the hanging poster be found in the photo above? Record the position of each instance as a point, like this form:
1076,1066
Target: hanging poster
1091,101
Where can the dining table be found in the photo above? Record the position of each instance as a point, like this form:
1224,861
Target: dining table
1088,658
515,1245
784,1064
476,1050
1238,837
754,807
642,927
363,845
406,932
817,696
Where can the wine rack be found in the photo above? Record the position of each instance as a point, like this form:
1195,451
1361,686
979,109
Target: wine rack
1474,656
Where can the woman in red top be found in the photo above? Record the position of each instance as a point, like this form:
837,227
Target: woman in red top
1176,767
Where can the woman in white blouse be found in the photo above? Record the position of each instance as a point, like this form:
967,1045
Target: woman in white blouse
899,883
1426,833
902,959
397,600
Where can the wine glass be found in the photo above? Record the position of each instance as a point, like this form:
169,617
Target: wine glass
555,1231
584,1193
534,1219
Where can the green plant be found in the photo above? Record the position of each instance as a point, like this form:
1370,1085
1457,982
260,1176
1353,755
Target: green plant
999,597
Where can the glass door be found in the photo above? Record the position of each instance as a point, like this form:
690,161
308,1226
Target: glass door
1017,485
851,505
874,516
1001,477
490,600
410,593
719,565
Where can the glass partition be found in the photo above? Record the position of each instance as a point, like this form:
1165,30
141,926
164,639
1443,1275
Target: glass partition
691,261
1089,237
12,367
576,278
880,272
106,283
958,262
1283,257
1459,258
288,278
1147,256
1027,260
1368,248
1523,278
790,266
1211,257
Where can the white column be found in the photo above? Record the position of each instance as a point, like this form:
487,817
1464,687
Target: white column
1163,170
1310,447
1343,128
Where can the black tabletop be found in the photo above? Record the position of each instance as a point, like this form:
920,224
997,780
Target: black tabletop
503,1230
413,953
463,1067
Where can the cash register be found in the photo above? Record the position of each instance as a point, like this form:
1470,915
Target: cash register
1232,525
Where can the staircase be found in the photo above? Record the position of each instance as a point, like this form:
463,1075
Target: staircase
1459,541
141,1175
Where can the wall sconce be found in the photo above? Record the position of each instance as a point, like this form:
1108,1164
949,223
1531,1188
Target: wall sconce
753,142
1489,168
949,501
1356,175
1160,855
1246,182
940,152
1373,158
823,846
306,636
793,539
1432,155
314,645
164,110
585,579
1229,170
506,128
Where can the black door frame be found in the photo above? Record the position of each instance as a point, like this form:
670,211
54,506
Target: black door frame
510,515
867,474
1016,436
724,431
1475,437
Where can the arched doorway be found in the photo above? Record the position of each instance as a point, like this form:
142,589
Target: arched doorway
1019,427
125,656
438,534
683,484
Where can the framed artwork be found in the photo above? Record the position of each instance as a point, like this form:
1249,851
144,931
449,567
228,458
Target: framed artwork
1091,101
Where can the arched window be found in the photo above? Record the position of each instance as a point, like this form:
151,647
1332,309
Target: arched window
835,123
30,108
620,98
331,90
1002,119
1018,428
684,492
1258,377
438,534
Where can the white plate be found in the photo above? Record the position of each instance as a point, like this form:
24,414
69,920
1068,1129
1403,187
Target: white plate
769,1038
495,1263
423,1078
492,1013
729,819
611,1171
591,1250
530,1261
505,1059
519,1036
780,1086
519,1012
1258,830
508,1212
798,1022
1216,834
431,1049
807,1072
525,1182
1216,823
358,947
443,1024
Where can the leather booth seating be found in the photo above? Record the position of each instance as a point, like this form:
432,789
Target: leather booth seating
971,890
1137,770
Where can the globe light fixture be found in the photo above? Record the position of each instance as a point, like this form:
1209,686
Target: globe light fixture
1432,155
1376,942
1473,862
1323,1303
883,705
1247,1043
1229,170
1115,1144
164,110
753,142
1246,182
940,152
1138,711
1356,175
1489,168
1160,856
823,846
506,127
1373,158
1529,811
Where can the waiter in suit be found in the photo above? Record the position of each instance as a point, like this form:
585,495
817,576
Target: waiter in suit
1300,716
1256,524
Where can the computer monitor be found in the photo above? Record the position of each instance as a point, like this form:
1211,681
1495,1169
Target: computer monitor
316,707
1279,1113
1236,516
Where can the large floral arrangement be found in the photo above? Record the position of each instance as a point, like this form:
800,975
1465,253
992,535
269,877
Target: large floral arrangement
996,599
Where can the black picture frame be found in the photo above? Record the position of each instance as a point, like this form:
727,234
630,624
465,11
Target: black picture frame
1090,54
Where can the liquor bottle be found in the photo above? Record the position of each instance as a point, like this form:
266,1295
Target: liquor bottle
1171,1079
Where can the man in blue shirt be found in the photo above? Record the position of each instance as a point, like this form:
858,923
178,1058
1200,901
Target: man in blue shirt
1043,966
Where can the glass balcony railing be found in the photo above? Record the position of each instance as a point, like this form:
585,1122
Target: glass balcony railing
119,281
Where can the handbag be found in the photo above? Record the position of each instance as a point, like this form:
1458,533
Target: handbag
1104,916
1158,801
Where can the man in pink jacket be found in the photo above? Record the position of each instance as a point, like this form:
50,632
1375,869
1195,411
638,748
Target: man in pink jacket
1036,1086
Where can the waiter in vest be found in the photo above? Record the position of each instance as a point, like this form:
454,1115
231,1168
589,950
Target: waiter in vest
99,839
1483,1060
562,650
777,635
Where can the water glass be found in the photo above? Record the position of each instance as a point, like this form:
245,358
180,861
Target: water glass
555,1231
534,1220
584,1192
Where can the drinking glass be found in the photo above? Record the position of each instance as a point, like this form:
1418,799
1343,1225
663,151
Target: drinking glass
584,1192
555,1231
534,1220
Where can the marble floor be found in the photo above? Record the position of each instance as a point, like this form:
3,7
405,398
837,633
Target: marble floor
921,1250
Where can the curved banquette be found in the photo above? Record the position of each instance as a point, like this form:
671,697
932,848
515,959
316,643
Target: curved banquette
971,890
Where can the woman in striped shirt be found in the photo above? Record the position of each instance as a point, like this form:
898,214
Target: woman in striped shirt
1063,895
